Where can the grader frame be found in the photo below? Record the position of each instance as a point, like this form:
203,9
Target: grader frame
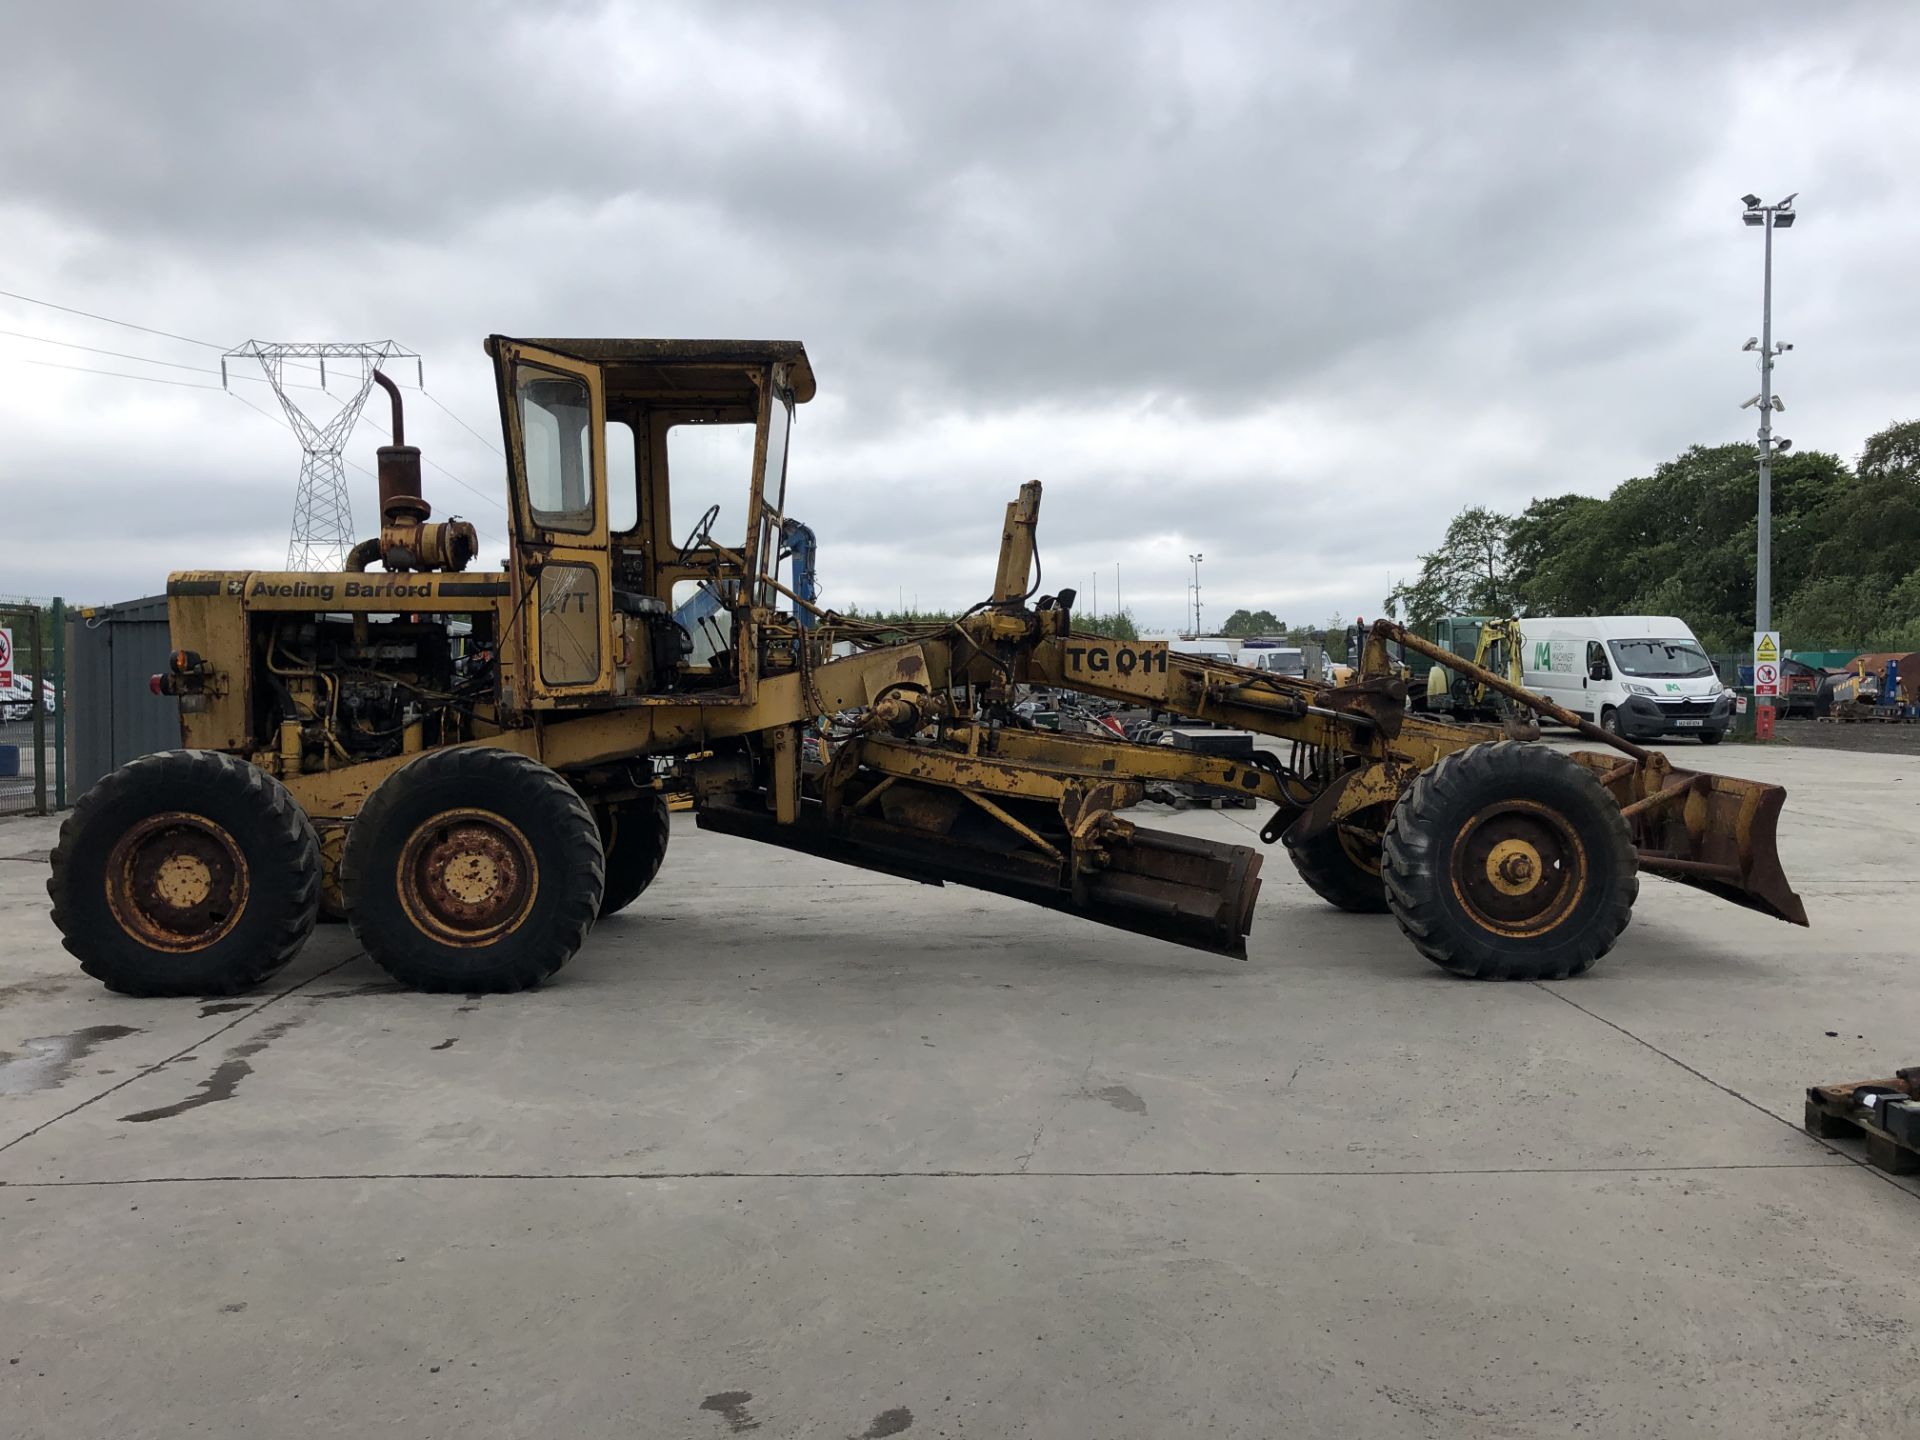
471,767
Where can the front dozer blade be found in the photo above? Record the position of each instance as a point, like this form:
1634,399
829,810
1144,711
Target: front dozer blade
1716,833
1174,887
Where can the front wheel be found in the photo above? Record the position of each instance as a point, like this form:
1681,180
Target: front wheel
1711,737
475,870
1342,865
1510,862
1610,720
188,872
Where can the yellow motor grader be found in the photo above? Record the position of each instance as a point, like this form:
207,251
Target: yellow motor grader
472,768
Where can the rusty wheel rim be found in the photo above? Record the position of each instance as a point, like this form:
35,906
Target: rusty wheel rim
468,877
177,882
1518,868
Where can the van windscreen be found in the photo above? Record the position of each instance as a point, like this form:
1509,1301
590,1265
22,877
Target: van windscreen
1661,659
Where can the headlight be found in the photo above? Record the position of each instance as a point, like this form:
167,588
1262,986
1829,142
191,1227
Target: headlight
1633,689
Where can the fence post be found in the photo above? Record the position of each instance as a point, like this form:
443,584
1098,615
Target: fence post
59,614
39,715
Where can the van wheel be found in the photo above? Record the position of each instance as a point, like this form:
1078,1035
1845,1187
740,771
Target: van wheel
1710,737
1610,720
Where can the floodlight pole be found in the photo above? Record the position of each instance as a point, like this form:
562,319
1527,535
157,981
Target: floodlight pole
1766,217
1763,576
1196,594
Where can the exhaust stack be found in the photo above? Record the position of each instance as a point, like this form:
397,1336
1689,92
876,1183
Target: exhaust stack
407,540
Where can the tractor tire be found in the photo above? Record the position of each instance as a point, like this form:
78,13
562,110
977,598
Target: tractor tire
1342,870
1509,861
635,838
473,870
187,872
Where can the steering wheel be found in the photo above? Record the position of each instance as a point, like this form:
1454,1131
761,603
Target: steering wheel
701,534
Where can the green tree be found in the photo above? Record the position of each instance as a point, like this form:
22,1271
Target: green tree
1253,622
1117,626
1470,574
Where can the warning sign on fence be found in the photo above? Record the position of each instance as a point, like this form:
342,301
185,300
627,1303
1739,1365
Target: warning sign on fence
1766,662
6,659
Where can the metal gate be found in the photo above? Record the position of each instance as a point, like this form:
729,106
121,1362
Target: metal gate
33,709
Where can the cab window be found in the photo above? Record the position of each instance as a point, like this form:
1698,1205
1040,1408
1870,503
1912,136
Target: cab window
1597,667
709,465
623,479
556,436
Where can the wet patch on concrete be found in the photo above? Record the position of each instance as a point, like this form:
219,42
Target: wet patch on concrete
731,1406
887,1422
447,1044
28,989
48,1060
1121,1098
224,1008
372,987
225,1079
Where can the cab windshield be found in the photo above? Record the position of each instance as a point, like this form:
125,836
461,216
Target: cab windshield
1661,659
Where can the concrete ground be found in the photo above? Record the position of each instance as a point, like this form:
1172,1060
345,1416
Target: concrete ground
802,1151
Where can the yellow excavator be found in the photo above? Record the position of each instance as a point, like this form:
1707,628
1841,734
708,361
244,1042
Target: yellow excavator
472,768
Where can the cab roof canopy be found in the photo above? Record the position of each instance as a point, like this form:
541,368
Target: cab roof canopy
683,367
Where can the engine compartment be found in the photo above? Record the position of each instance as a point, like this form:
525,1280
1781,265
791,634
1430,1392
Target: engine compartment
351,688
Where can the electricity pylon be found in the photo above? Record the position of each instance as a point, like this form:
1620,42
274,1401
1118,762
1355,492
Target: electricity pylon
322,514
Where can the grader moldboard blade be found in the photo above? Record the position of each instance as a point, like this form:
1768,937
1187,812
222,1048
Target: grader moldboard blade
1178,888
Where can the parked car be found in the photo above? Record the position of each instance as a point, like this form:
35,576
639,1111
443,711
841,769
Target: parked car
16,700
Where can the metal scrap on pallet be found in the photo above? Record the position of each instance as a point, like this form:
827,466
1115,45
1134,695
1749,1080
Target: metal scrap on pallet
1885,1113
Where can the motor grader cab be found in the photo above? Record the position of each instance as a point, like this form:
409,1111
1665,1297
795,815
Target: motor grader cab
473,767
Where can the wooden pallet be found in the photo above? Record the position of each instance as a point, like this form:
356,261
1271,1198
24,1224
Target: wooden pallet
1890,1127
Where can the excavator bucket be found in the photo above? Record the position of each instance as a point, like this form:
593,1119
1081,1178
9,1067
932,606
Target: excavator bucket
1716,833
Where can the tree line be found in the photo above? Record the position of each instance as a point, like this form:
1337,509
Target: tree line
1682,541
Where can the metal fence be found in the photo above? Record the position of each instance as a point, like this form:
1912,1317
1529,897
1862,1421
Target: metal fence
33,708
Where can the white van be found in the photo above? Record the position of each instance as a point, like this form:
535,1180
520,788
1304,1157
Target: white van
1641,676
1276,659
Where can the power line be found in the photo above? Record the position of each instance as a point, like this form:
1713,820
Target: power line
176,365
124,355
109,320
194,385
197,385
123,375
458,421
116,354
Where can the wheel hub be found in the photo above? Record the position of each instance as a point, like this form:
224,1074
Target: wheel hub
468,877
177,881
1518,867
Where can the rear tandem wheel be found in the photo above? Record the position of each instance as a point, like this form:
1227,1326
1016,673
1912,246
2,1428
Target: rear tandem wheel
473,869
635,839
187,872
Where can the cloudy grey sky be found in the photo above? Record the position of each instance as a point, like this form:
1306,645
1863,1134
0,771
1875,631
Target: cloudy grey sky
1284,284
